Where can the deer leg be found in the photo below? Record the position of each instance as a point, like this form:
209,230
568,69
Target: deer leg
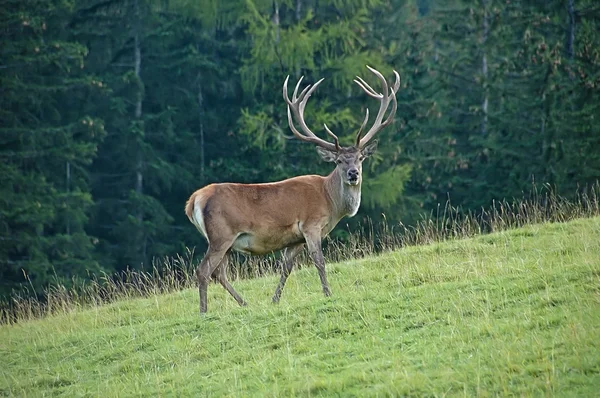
222,278
313,241
207,267
286,268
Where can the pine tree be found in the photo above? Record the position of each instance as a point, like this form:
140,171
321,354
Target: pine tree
572,102
46,146
423,138
131,167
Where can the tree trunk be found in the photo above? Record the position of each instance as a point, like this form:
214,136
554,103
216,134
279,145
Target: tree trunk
139,180
276,21
298,16
484,68
298,10
571,31
201,125
68,189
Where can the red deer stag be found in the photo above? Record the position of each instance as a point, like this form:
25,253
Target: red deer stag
286,215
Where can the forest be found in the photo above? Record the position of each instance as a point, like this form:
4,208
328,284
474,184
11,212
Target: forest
112,112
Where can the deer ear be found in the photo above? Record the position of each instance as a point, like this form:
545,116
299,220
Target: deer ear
369,149
326,154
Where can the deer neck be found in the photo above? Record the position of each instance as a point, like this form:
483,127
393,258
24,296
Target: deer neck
344,198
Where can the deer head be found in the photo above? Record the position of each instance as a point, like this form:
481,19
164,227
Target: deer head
348,159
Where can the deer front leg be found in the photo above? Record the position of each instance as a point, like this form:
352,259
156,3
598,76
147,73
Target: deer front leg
313,242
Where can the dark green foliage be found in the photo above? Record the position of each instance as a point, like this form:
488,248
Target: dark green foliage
47,142
112,112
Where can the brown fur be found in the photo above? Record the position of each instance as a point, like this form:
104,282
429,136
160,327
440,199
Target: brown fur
258,219
249,209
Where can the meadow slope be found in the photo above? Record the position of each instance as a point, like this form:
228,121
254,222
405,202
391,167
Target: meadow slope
515,312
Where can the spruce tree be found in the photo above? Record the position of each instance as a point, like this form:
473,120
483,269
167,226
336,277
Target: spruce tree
46,146
131,169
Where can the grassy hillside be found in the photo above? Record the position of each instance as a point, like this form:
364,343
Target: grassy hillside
515,312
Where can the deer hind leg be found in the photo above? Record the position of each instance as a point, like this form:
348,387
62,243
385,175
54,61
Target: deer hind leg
286,268
221,275
207,267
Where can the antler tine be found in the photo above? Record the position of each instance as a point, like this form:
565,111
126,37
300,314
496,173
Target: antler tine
366,88
295,93
384,97
285,90
335,138
293,128
303,93
393,90
397,82
362,126
296,106
390,117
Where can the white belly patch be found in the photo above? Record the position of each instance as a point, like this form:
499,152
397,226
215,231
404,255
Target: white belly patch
243,244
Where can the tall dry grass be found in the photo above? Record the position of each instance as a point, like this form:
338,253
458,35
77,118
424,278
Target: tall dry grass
177,273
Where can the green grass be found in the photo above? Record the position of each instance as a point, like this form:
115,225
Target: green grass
510,313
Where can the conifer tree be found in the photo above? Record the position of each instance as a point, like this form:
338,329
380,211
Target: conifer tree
46,146
131,168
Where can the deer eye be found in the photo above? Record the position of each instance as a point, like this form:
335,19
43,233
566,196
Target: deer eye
338,161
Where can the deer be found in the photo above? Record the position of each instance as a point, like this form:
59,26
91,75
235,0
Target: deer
288,215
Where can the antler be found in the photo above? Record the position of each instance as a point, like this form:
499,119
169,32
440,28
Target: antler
384,97
296,106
